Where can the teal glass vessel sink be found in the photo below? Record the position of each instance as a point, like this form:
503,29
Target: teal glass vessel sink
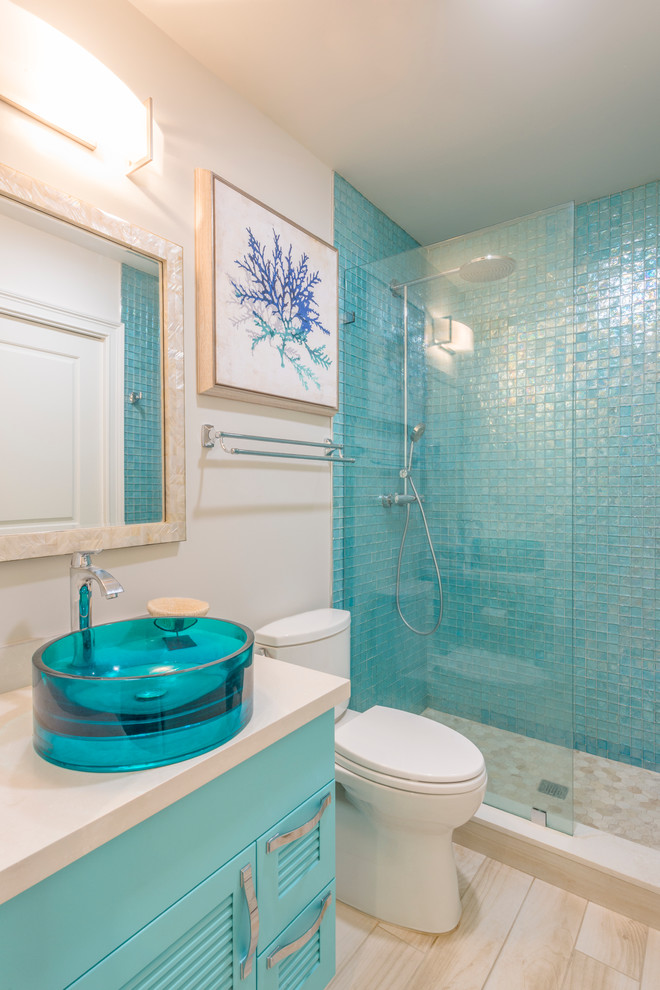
142,693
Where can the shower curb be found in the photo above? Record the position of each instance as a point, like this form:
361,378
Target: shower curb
618,874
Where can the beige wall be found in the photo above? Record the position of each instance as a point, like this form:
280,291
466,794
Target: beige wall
259,533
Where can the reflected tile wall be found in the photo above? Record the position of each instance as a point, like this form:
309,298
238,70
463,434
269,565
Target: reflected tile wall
143,457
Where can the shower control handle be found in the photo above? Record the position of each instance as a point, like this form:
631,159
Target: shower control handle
396,499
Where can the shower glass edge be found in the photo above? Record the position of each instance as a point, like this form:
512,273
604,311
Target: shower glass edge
495,471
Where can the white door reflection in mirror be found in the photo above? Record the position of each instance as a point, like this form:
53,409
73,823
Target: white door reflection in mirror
81,287
65,477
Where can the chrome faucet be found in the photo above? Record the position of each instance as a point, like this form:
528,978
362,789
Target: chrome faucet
82,573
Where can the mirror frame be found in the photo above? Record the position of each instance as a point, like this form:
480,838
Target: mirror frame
39,196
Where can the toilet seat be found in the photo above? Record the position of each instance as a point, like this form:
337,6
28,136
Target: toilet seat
411,786
408,752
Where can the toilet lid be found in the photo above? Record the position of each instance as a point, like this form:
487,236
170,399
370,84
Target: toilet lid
408,746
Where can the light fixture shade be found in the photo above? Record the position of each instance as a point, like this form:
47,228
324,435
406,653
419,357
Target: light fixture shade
52,79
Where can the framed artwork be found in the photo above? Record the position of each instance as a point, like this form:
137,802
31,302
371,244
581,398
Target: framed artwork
266,303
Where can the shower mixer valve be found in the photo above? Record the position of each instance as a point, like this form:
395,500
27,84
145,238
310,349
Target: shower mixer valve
396,499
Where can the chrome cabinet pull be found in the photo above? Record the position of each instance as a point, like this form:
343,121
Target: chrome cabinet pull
288,950
283,840
247,884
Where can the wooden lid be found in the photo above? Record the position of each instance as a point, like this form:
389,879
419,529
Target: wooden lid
177,607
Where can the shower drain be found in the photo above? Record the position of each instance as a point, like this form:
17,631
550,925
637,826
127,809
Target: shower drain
554,790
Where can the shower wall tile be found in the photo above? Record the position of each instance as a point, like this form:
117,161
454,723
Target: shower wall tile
387,661
617,498
539,469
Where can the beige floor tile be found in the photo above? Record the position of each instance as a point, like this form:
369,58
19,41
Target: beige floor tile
537,952
467,863
586,973
352,929
382,962
461,960
614,940
651,971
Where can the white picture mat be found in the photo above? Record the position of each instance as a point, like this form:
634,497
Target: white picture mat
262,369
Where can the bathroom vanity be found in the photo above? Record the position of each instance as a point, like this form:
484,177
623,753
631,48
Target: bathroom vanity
216,872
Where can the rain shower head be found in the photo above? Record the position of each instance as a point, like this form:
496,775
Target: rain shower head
417,432
490,268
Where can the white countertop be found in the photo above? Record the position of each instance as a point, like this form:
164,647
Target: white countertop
50,816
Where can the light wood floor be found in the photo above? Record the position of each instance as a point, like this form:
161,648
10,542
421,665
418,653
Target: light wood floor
516,933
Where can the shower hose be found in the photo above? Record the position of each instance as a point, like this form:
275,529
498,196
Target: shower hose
419,632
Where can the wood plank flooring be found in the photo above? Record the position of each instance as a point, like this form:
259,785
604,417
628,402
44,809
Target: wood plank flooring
516,933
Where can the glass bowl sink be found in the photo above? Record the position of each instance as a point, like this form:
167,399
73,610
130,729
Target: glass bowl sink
142,693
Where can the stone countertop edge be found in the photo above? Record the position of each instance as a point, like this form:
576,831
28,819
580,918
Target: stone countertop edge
51,816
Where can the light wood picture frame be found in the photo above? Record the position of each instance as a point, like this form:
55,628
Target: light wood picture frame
267,320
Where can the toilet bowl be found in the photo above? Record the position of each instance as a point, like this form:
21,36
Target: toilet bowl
404,781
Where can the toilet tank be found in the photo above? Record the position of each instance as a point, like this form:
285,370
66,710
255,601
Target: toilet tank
320,640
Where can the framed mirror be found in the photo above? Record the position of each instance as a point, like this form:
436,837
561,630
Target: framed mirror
91,377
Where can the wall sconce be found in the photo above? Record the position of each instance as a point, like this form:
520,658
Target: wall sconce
451,335
54,81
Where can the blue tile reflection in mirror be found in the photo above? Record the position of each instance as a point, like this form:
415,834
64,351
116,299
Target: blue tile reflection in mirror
143,454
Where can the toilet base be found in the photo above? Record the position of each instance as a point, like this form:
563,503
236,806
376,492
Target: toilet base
406,879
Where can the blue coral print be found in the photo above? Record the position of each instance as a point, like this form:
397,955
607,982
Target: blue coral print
275,293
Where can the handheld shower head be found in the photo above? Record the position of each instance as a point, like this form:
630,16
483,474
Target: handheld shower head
416,434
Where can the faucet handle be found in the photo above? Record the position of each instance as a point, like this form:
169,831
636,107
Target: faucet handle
82,558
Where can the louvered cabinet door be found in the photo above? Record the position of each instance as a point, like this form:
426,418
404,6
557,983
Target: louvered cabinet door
295,859
202,942
302,957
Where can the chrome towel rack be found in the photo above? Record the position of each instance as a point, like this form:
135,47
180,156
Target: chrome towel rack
333,451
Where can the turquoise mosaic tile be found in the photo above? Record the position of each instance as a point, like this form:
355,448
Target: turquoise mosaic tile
539,469
617,493
388,661
143,456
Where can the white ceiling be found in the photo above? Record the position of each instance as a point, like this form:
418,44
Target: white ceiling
449,115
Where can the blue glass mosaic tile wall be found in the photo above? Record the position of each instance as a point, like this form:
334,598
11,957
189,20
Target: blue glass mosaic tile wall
617,475
143,457
541,445
387,661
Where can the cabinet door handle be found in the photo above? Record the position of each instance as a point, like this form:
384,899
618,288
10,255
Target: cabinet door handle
292,947
247,884
283,840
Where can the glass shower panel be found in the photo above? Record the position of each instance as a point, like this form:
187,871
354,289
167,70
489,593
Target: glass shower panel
500,486
489,371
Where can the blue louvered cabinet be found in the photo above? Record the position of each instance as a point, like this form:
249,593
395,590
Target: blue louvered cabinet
199,943
239,871
302,957
277,893
295,860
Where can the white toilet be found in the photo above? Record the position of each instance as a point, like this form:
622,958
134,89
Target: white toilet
406,783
